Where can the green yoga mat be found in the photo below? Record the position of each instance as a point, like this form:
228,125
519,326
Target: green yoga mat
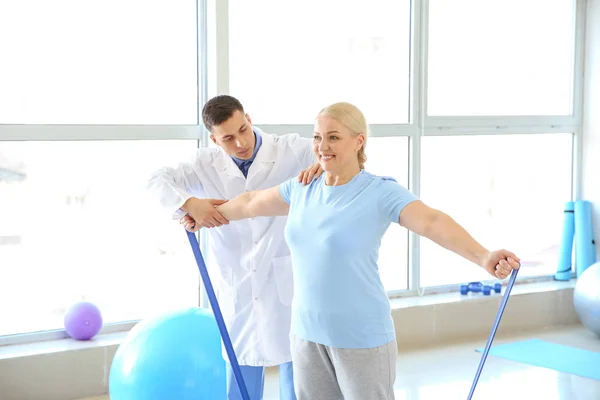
570,360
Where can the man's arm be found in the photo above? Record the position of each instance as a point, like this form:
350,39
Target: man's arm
176,189
206,214
172,187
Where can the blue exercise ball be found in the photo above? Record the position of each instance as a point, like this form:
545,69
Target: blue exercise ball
174,356
586,298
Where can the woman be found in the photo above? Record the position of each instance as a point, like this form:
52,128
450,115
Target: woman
343,339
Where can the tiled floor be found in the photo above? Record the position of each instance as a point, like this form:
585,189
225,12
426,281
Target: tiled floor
447,373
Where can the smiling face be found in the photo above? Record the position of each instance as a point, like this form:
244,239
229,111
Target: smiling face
335,146
235,135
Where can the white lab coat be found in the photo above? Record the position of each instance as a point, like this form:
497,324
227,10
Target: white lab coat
249,261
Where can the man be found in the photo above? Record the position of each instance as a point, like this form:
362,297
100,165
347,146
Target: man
252,260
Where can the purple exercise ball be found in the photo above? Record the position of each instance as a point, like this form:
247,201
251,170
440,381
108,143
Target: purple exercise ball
83,320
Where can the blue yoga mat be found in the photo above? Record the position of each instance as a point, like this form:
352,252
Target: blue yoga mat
570,360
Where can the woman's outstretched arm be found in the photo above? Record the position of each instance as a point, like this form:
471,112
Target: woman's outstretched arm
446,232
256,203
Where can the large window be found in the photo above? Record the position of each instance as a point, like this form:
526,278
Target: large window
317,52
287,60
508,191
430,73
500,57
76,223
98,62
471,105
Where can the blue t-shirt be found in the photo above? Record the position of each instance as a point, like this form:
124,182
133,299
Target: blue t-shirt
334,234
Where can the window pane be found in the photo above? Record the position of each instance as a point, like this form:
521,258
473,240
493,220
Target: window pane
500,57
91,62
388,156
508,191
290,59
77,223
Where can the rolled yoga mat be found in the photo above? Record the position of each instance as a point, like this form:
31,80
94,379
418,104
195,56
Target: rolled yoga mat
565,258
585,249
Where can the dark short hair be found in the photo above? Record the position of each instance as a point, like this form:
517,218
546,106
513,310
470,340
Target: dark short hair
219,109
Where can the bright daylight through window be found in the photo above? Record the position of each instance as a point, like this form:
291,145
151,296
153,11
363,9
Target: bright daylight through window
76,224
75,218
337,60
508,191
76,221
485,58
111,62
307,59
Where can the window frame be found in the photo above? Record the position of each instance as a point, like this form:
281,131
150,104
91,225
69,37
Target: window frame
421,124
213,78
97,132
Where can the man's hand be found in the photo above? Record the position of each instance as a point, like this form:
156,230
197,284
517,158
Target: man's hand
500,263
189,224
312,172
202,214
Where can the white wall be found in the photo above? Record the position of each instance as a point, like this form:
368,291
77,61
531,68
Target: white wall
591,118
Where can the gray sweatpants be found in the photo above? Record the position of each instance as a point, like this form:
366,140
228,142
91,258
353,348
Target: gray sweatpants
328,373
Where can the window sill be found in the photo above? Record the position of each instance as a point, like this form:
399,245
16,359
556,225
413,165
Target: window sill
455,296
398,304
60,345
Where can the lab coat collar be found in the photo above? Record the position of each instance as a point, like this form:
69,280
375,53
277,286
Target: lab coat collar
266,154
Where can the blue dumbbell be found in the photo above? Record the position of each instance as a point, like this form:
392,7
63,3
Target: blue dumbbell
477,287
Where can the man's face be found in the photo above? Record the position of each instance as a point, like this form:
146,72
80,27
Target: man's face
235,136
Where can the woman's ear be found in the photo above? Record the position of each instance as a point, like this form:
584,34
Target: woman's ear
361,141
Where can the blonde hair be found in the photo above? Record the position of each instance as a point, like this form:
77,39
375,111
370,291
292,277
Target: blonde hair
354,120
